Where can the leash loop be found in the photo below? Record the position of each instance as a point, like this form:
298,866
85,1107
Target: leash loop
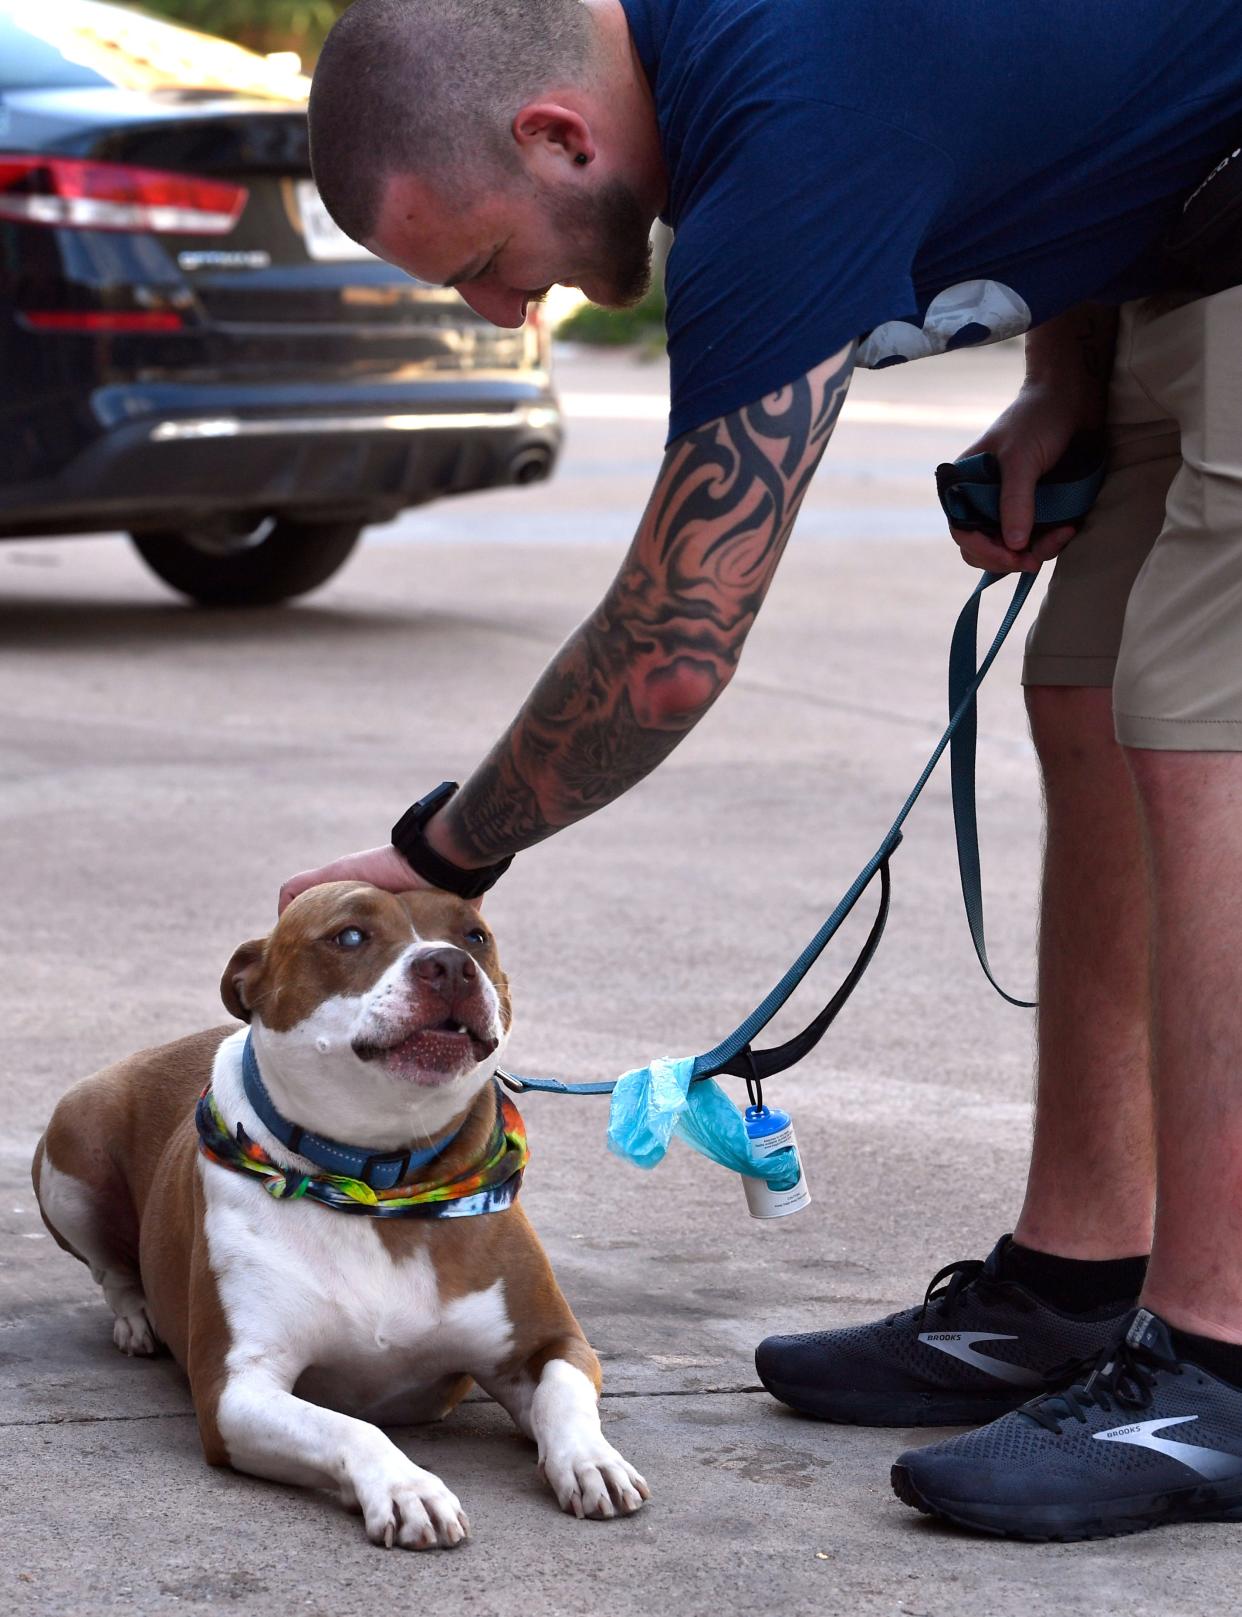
964,680
756,1065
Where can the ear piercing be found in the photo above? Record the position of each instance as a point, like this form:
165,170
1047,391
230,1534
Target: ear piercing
581,159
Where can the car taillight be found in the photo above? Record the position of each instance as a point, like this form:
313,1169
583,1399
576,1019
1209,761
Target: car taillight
103,322
112,196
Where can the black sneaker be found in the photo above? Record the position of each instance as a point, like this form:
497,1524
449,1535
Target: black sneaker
977,1347
1144,1439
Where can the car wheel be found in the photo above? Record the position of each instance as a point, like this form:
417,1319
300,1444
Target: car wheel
238,561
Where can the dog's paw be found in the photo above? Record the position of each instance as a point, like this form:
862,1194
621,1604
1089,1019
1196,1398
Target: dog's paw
132,1333
591,1479
409,1508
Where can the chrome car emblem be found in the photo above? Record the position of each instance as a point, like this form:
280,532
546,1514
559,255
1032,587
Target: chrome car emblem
253,258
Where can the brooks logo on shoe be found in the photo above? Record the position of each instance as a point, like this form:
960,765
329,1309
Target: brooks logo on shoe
961,1345
1215,1464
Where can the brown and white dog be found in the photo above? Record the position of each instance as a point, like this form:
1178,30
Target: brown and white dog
376,1019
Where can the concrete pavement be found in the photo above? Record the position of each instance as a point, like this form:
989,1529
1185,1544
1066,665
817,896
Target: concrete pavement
164,768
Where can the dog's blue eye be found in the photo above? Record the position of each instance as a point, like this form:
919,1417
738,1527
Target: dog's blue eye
350,938
476,934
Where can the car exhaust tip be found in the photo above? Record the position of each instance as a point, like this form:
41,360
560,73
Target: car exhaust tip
530,466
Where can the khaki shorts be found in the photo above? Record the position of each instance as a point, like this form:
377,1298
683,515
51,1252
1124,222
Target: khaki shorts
1148,597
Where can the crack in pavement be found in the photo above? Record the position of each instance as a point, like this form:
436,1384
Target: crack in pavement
93,1420
188,1414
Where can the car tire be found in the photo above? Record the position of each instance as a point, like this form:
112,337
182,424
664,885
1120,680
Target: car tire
241,561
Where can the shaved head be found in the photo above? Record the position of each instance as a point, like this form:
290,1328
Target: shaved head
430,88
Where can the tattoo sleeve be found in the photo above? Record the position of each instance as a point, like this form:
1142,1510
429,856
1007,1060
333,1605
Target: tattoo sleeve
655,654
1095,330
1074,354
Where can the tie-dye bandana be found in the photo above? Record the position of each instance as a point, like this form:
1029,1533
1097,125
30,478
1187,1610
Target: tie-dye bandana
489,1186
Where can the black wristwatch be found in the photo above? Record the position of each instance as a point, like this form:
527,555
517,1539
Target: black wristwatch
409,841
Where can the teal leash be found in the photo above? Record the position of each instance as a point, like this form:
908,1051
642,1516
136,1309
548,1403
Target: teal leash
736,1054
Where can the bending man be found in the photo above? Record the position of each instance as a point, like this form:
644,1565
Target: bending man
851,184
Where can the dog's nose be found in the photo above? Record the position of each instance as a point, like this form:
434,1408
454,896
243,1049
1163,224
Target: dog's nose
447,970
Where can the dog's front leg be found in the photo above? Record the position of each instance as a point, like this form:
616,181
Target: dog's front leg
554,1398
268,1431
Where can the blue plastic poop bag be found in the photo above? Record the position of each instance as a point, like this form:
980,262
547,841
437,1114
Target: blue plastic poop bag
651,1104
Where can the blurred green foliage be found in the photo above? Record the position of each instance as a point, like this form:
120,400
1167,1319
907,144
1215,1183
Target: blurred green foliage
262,25
609,328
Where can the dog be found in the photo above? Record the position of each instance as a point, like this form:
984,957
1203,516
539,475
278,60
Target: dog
315,1213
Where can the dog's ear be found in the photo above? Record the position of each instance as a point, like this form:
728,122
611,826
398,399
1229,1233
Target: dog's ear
241,976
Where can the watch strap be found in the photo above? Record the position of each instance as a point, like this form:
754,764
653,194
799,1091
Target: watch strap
409,838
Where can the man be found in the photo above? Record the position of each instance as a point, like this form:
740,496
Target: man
850,183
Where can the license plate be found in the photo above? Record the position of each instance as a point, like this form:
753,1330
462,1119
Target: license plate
324,237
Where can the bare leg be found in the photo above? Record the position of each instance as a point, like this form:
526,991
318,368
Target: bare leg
1091,1187
1192,807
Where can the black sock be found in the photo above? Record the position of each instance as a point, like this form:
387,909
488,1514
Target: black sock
1074,1285
1220,1359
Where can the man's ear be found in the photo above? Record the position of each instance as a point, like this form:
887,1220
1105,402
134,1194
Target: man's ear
556,128
240,982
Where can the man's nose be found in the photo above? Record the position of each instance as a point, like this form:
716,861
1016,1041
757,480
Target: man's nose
497,304
449,971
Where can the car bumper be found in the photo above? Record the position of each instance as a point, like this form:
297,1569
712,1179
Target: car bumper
163,456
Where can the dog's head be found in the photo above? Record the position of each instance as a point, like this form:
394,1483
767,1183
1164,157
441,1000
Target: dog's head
376,1017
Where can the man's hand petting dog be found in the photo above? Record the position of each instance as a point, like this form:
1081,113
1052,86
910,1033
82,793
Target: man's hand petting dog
378,867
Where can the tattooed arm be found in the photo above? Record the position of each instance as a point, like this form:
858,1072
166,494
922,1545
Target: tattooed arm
667,637
655,654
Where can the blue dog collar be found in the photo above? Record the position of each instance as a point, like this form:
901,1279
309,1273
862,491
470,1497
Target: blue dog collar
379,1169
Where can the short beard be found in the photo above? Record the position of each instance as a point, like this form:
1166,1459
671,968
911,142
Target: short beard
615,234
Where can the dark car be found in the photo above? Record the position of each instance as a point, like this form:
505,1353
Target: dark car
190,350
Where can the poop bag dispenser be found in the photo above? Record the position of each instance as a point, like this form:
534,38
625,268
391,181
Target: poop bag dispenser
651,1104
771,1135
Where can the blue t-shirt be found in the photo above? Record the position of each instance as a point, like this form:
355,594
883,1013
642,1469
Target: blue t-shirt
924,174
